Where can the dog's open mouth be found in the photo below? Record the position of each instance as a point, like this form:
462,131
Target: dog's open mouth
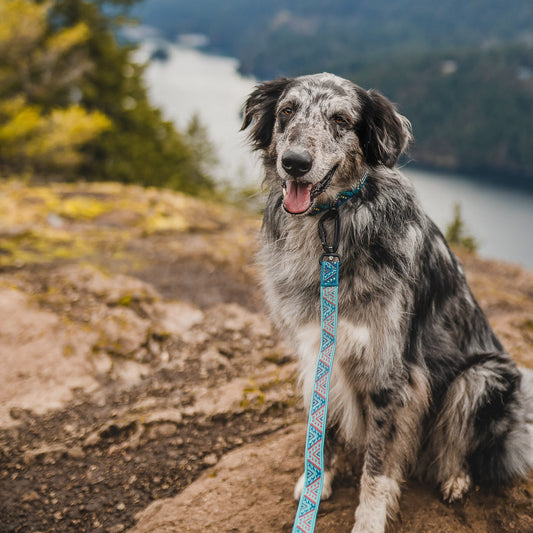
298,196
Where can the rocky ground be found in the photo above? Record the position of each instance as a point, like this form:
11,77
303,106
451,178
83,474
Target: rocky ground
143,388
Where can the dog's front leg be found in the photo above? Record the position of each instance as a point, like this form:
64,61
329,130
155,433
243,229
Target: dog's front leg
378,501
380,482
330,466
394,421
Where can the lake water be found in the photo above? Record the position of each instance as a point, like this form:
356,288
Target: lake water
191,82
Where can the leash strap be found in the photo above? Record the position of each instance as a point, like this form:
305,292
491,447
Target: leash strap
316,427
307,512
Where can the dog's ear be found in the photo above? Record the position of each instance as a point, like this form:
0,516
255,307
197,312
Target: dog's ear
260,111
383,133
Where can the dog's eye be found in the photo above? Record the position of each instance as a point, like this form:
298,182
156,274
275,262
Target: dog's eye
287,111
339,119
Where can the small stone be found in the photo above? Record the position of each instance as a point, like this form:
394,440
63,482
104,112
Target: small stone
210,459
76,452
102,363
54,220
30,496
178,318
92,439
142,355
17,413
154,347
69,428
212,359
162,430
93,507
173,416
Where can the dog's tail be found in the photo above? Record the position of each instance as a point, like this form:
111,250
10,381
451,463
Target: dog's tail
505,424
527,392
517,459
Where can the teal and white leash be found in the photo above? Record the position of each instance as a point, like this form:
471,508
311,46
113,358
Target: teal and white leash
307,512
316,426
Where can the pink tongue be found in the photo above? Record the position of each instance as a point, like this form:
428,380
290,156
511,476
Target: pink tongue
298,197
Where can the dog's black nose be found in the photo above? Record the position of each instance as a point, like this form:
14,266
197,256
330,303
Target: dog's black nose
296,163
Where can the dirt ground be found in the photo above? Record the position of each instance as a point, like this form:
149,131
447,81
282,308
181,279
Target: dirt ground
143,388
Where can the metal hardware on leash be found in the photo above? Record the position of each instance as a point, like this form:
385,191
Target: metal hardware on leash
332,214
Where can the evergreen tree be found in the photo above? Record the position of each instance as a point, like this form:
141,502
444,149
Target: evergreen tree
37,136
140,147
456,231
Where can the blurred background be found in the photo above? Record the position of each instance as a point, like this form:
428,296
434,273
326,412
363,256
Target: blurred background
135,349
150,92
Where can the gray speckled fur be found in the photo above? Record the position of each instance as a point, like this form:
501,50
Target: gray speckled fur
420,382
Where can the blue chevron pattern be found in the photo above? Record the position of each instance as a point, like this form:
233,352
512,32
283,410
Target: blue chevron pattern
329,274
314,436
317,402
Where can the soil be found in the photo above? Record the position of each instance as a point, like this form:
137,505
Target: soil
144,388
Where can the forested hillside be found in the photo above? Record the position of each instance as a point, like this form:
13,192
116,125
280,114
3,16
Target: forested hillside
461,71
73,105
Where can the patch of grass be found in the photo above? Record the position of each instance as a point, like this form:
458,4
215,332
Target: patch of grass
96,222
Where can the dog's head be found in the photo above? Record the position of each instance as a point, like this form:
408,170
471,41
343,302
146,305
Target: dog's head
319,133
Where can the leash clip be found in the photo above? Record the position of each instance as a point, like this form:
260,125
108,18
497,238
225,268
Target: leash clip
330,258
330,249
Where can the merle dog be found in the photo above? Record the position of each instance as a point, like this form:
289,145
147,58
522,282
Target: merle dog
420,383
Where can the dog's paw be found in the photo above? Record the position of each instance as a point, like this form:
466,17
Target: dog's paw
299,487
367,528
370,519
456,487
327,486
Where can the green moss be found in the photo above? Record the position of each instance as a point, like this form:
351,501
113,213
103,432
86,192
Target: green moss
34,237
83,208
41,245
528,325
125,300
68,351
252,395
162,222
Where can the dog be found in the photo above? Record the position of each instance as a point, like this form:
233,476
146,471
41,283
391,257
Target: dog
421,386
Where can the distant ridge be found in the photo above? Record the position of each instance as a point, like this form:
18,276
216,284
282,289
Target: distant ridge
461,71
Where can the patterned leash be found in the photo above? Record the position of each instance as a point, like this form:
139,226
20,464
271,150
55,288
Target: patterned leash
316,426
